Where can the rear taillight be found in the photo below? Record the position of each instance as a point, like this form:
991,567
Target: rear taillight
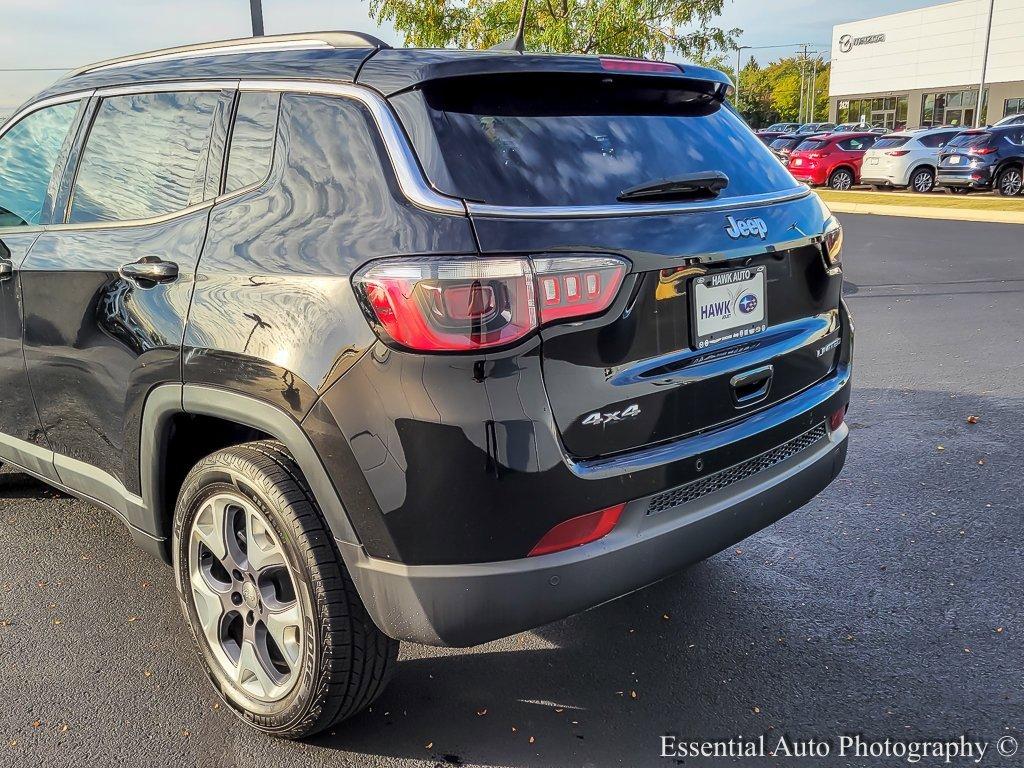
898,152
463,304
833,243
981,150
578,531
818,155
637,65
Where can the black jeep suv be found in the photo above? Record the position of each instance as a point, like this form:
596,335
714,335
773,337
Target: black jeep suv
378,344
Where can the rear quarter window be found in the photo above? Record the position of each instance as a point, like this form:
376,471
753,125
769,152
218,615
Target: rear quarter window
577,140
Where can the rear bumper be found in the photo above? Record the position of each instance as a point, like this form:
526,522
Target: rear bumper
815,177
974,178
463,605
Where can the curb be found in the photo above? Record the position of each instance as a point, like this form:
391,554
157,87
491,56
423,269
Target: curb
922,212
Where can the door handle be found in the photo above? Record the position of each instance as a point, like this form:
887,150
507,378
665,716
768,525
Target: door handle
751,387
150,269
6,270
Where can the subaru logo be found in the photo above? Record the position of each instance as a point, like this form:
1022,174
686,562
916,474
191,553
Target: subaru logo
747,303
745,228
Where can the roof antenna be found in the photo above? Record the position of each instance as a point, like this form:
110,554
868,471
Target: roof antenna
516,43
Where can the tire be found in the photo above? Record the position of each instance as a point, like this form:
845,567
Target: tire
283,637
922,180
1010,181
841,179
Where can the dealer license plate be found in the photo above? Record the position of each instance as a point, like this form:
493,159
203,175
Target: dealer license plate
954,160
728,305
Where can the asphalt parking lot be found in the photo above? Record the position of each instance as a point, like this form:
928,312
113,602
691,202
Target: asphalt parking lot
889,606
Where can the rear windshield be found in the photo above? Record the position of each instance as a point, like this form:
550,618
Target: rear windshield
577,140
811,144
969,140
784,143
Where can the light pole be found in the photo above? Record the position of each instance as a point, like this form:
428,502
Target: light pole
984,67
256,10
738,49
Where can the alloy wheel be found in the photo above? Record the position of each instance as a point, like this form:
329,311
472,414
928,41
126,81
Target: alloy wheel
243,591
1011,182
842,180
922,181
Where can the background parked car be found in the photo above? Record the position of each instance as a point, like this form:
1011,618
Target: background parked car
1010,120
988,158
852,128
809,128
906,159
772,132
834,159
785,144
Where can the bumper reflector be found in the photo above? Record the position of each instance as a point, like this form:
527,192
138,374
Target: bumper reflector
578,531
835,421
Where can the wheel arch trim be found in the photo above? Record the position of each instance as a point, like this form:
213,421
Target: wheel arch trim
168,400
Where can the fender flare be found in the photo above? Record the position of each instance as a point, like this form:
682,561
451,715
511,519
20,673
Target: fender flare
168,400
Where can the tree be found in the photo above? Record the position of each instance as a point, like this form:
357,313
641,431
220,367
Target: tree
772,93
647,28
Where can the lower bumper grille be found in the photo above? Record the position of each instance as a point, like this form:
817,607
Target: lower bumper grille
726,477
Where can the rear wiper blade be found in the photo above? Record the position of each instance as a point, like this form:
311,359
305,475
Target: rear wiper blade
692,185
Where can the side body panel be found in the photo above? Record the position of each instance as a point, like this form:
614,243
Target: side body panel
274,314
96,342
17,411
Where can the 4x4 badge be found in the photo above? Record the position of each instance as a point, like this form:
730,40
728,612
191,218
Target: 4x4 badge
746,228
628,412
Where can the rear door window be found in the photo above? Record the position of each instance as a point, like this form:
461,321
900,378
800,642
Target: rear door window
252,139
29,151
858,144
578,140
936,140
142,156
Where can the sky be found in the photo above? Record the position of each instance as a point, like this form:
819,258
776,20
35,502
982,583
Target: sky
68,33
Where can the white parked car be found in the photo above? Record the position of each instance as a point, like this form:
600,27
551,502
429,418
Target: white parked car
906,159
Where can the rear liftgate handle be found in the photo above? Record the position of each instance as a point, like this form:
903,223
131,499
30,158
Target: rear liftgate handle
751,386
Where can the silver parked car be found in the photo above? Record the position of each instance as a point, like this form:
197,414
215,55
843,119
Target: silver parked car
906,159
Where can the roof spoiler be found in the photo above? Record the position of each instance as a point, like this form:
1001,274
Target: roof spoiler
380,71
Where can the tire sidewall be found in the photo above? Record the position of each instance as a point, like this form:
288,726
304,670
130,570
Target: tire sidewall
1002,176
922,172
292,712
835,176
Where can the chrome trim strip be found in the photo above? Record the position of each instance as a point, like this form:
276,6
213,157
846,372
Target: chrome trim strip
628,209
407,168
82,225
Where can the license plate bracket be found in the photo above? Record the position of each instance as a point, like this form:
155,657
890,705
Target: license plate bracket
727,305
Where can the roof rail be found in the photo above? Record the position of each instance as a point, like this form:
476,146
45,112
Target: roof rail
299,41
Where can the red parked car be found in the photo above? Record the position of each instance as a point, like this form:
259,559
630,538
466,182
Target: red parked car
834,159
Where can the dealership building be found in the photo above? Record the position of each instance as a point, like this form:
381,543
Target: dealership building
922,68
